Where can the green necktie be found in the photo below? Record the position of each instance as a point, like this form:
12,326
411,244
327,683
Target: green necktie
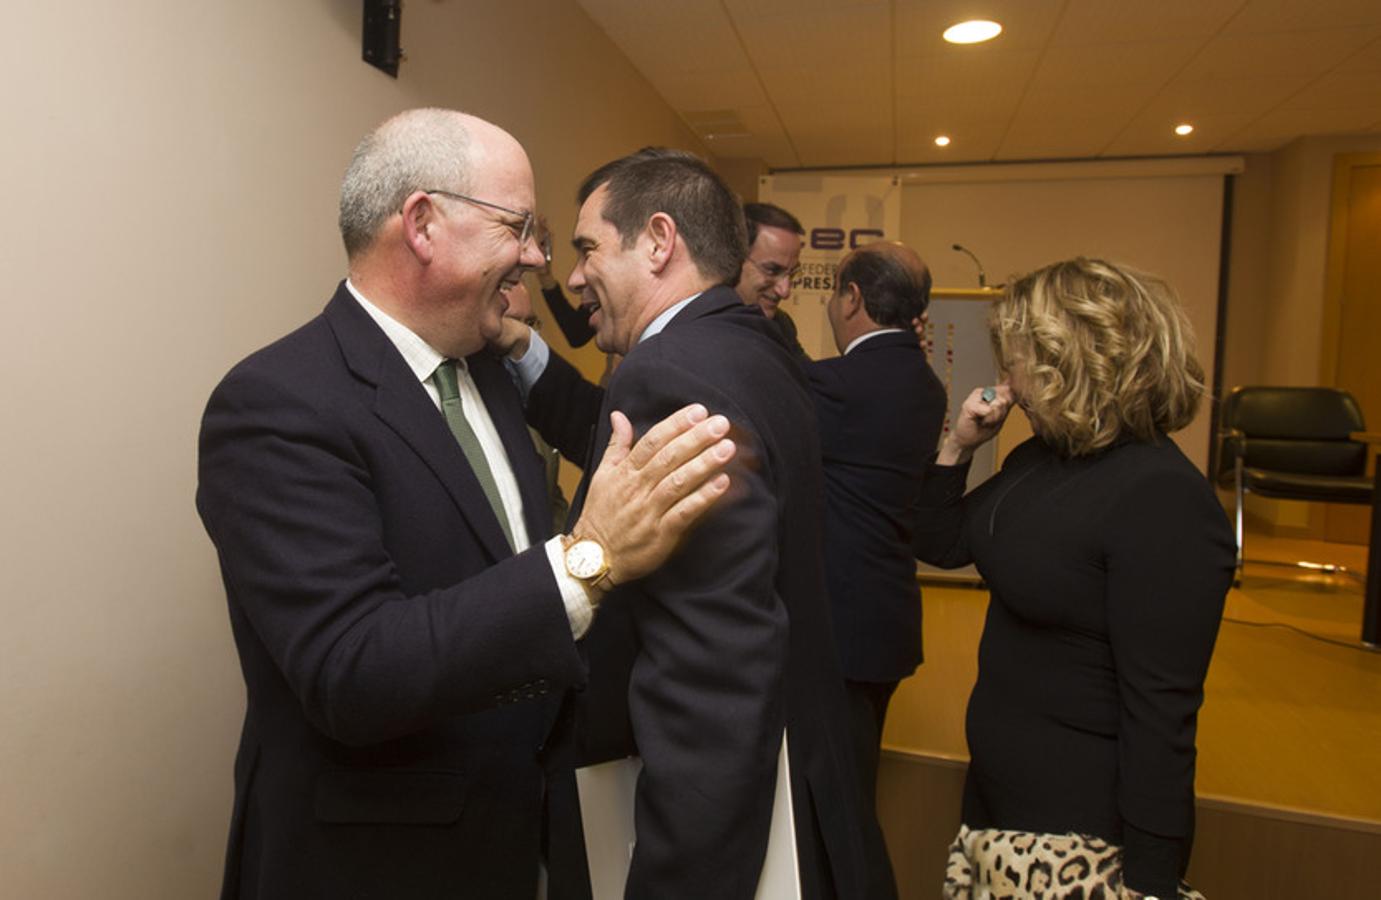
449,389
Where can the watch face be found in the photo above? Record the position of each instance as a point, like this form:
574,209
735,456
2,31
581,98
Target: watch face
584,559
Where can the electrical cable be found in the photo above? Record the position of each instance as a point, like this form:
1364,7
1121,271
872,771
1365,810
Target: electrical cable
1317,637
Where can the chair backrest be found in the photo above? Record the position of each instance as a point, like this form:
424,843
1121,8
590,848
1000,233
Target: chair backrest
1296,429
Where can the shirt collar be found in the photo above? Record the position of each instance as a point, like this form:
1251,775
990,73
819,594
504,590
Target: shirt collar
872,334
420,356
656,325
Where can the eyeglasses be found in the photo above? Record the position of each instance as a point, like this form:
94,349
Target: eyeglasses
524,231
774,272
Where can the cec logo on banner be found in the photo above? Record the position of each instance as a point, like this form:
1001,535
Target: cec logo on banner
839,213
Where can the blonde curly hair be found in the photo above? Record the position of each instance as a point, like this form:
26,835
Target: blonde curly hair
1103,352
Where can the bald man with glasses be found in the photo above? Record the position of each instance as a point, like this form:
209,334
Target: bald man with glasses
405,625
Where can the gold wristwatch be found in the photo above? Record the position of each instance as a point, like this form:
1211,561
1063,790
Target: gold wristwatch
586,561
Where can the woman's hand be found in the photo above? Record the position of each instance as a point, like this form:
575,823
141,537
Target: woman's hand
979,420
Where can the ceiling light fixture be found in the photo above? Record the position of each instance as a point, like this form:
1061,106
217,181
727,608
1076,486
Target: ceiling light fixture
942,141
974,31
1184,129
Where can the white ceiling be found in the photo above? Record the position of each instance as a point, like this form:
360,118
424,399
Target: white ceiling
813,83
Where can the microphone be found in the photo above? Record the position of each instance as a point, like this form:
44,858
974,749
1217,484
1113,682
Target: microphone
982,277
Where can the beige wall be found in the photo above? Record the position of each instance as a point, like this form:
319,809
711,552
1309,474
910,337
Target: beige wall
1302,186
1279,254
1281,217
170,173
742,174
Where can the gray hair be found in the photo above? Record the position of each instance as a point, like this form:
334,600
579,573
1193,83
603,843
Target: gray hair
419,149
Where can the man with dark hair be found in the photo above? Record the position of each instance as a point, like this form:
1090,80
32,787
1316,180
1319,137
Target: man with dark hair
774,258
405,628
880,409
714,665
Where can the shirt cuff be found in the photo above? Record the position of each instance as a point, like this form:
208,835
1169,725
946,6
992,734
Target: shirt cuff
579,610
1151,863
529,368
944,484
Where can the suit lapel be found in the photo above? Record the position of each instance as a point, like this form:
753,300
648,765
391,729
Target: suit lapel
594,453
402,404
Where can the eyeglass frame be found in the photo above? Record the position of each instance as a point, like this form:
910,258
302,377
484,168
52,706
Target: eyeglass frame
529,218
788,274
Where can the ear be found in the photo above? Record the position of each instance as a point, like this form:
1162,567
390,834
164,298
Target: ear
661,234
420,226
853,300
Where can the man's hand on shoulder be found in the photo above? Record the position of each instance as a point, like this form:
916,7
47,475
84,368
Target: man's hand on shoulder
513,340
644,497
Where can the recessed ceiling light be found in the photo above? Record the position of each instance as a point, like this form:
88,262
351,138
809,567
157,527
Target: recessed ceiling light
974,31
942,141
1184,129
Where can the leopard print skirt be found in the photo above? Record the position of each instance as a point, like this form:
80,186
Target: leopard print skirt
990,864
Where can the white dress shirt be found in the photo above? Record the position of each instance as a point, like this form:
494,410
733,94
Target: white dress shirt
423,359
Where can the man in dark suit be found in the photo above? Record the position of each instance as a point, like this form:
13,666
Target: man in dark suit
705,665
379,514
881,409
774,258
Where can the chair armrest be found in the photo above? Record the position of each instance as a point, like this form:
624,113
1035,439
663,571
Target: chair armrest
1234,440
1366,437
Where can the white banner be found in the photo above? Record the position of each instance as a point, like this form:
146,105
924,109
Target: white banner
839,213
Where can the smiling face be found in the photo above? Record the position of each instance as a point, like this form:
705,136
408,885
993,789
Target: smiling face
478,254
772,263
607,277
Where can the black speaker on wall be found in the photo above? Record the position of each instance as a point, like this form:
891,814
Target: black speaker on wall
383,22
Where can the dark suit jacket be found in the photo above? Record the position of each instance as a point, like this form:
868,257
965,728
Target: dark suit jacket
401,664
787,326
881,409
703,663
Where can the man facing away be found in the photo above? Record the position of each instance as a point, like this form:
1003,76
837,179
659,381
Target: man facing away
774,258
403,626
705,665
881,409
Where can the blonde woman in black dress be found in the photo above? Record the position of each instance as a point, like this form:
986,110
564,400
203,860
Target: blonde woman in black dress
1108,558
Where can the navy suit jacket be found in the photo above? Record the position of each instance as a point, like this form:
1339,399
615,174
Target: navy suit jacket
402,665
881,409
699,666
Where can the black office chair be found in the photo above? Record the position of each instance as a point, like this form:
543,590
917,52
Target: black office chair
1293,443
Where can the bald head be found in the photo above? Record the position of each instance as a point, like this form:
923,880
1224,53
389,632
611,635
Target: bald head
893,280
881,285
418,149
435,212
